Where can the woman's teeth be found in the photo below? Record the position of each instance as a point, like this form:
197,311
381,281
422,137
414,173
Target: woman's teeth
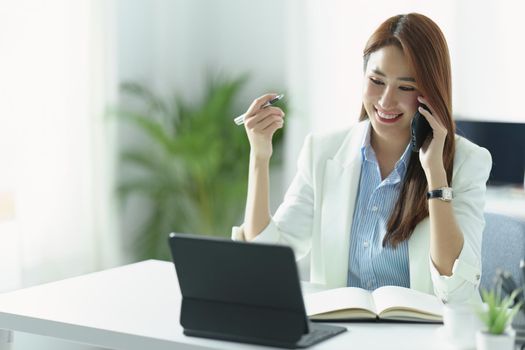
388,116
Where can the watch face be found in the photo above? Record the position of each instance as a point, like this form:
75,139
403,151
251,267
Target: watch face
447,194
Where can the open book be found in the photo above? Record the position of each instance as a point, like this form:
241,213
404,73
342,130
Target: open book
387,303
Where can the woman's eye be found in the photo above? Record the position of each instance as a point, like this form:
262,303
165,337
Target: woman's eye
377,82
403,88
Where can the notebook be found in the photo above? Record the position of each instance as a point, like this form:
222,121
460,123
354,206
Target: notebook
388,303
243,292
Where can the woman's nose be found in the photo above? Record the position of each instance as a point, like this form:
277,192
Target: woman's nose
387,99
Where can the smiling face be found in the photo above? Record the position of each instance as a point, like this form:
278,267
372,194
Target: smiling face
390,93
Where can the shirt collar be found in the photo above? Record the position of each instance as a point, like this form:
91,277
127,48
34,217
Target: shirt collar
368,154
367,151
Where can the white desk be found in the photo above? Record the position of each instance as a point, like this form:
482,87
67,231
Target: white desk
137,307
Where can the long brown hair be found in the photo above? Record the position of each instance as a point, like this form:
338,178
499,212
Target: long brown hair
426,49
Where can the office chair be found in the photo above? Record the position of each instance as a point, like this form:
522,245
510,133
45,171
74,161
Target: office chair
502,247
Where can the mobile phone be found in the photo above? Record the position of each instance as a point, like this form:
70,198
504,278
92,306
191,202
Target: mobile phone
420,130
240,119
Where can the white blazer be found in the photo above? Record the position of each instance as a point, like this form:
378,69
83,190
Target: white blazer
317,211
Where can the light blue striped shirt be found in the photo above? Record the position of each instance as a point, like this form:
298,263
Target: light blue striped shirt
371,265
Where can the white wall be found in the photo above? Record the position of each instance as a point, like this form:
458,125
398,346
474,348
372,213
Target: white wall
170,44
488,78
46,153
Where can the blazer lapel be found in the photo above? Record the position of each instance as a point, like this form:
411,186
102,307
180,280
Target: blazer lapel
340,186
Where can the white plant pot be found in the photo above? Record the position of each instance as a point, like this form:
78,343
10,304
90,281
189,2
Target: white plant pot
487,341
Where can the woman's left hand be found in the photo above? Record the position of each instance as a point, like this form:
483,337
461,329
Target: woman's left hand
431,153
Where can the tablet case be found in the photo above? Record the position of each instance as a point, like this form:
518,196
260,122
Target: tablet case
239,291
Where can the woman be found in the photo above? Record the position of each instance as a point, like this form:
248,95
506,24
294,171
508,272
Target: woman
358,202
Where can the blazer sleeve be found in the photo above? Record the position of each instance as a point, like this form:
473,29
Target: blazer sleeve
292,222
469,186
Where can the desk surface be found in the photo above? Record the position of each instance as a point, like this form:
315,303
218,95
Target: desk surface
137,307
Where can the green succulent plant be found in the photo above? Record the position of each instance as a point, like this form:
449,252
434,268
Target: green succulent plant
193,169
499,312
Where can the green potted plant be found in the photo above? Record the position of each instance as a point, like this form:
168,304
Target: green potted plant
497,314
192,165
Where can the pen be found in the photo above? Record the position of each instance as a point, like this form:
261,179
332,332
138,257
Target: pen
240,119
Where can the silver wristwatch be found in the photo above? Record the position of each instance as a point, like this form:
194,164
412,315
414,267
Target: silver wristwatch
443,193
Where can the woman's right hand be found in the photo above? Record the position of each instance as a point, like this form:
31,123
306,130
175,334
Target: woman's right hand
261,124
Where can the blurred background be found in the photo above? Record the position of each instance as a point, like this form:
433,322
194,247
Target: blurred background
116,115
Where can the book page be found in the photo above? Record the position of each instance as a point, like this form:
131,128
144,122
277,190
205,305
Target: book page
338,299
393,301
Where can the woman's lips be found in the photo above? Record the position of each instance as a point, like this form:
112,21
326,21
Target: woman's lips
387,118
